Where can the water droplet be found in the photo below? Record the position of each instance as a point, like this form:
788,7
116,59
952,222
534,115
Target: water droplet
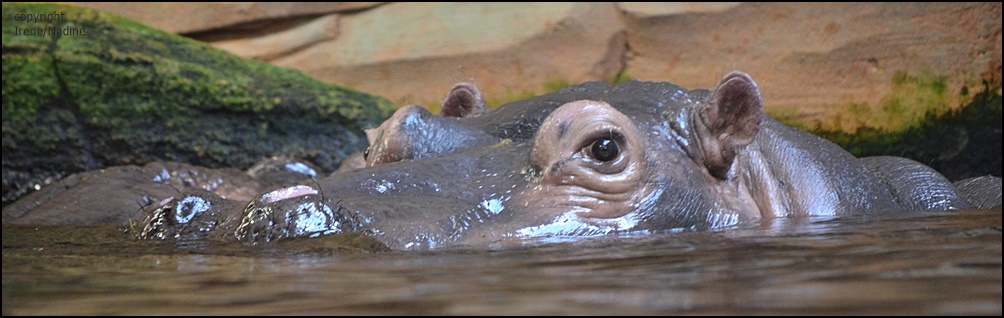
493,206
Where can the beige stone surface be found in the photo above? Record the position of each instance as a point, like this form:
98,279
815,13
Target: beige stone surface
414,52
818,58
655,9
275,45
188,17
835,65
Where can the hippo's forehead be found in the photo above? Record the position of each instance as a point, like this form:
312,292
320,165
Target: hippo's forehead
647,103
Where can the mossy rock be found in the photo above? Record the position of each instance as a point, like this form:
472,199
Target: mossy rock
111,91
960,144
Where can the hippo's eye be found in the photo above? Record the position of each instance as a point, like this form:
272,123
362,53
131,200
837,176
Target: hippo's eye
605,150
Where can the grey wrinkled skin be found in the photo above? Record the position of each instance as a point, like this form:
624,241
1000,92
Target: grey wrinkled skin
589,160
981,192
281,171
117,195
915,186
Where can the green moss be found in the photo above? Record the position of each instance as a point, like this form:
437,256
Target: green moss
911,98
550,87
789,116
916,120
547,87
120,92
621,77
27,81
961,143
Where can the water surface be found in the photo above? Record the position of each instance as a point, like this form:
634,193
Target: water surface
945,263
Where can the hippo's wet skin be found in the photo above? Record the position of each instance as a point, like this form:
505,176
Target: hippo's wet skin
592,159
117,195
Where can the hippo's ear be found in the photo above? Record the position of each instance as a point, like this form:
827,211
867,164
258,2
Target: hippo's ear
729,122
464,100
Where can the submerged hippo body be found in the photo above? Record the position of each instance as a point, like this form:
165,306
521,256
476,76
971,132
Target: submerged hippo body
588,160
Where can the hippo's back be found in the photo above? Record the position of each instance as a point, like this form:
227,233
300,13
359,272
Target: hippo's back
819,177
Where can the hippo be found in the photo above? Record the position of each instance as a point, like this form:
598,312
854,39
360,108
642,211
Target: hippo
589,160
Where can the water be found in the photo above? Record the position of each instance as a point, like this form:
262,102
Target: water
931,264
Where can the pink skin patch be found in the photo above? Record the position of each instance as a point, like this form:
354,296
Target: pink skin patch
286,193
165,201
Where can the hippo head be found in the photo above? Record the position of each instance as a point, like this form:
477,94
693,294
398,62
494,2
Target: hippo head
588,160
412,132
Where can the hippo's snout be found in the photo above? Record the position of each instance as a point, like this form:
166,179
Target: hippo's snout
297,211
290,212
414,133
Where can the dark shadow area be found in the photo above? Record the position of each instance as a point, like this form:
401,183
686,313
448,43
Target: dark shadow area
959,144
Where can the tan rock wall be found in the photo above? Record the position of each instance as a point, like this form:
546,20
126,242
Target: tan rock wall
834,65
817,58
192,17
414,53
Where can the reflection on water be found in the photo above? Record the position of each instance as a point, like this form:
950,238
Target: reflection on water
937,263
